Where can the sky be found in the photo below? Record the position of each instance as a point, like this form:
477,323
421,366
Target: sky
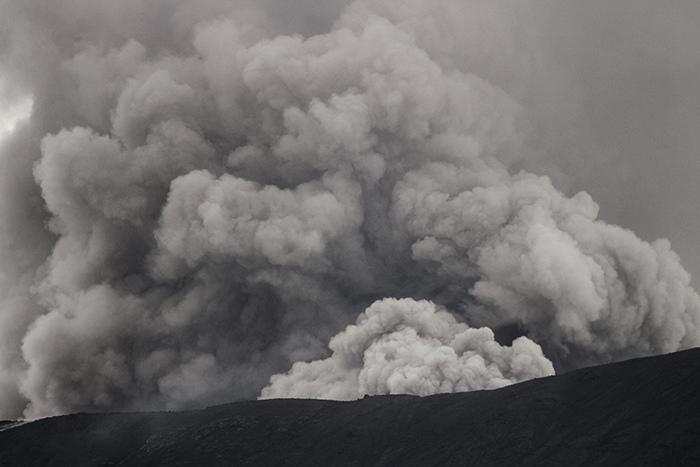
13,114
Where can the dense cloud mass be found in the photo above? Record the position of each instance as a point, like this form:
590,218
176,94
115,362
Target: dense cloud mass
204,196
410,347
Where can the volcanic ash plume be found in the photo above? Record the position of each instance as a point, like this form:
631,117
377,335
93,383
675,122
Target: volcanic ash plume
187,214
410,347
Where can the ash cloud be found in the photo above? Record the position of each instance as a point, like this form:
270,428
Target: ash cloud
205,196
410,347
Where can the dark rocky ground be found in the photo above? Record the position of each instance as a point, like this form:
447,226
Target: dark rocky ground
639,412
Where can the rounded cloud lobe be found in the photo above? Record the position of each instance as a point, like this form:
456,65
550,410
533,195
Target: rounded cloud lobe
187,216
410,347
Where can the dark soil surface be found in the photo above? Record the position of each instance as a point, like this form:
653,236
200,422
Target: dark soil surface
638,412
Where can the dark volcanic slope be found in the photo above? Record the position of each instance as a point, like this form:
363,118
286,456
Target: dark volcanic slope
639,412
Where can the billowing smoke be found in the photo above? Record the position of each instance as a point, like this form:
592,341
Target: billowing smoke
204,196
410,347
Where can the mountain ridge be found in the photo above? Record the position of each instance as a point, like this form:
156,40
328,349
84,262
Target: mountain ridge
644,411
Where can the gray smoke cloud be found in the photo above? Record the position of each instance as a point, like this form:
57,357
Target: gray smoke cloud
410,347
207,196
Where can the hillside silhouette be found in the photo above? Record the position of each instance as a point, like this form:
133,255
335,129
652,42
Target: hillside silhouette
638,412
